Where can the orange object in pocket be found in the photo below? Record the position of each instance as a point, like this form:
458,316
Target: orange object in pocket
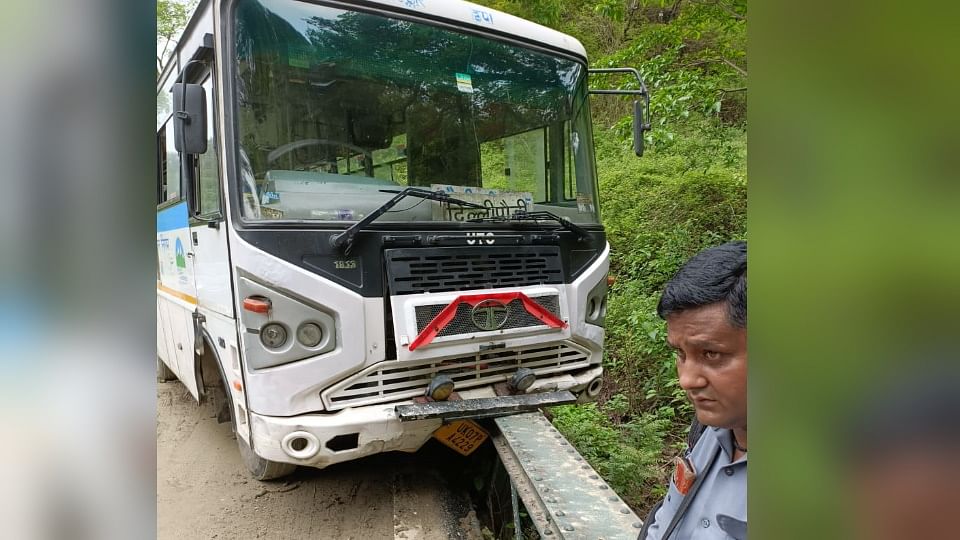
684,475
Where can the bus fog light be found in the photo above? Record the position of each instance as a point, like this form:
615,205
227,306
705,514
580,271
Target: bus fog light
300,444
273,335
440,388
593,389
309,334
523,379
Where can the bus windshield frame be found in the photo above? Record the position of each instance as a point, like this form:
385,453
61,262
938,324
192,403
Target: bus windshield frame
335,109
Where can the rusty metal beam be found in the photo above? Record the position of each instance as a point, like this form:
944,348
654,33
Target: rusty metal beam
483,407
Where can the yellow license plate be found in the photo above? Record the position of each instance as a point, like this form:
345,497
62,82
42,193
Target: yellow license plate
464,436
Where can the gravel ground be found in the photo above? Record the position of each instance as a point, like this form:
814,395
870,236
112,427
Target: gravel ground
203,490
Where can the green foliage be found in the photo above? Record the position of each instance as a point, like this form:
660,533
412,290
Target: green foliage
172,17
626,454
661,209
546,12
692,54
689,191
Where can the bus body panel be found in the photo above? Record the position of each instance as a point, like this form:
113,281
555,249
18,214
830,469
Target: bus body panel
294,388
223,332
214,290
577,293
176,292
178,327
163,353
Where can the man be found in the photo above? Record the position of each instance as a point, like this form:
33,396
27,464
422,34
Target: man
705,306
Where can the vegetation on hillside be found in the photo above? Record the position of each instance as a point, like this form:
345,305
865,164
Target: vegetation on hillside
688,192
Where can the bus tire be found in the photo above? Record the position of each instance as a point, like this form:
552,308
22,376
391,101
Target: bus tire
259,468
164,374
262,469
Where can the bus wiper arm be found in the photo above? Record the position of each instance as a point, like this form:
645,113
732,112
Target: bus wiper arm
344,241
522,215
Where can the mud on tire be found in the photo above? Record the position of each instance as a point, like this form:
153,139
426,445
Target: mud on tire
262,469
259,468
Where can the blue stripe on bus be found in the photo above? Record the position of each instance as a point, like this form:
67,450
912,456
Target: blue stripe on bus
173,218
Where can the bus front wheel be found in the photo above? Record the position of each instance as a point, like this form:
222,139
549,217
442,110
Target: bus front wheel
262,469
259,468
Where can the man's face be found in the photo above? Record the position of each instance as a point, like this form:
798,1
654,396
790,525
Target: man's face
711,363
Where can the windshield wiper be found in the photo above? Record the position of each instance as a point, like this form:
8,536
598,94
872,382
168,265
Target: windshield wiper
344,241
522,215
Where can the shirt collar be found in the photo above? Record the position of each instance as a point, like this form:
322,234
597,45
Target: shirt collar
725,439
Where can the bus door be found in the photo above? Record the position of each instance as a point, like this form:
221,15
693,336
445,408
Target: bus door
208,235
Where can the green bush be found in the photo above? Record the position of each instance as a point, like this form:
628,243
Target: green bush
627,455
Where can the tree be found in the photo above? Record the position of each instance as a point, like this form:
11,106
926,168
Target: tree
172,17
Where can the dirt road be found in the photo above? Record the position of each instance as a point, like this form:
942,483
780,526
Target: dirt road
204,492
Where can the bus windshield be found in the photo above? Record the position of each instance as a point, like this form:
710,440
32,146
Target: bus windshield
336,108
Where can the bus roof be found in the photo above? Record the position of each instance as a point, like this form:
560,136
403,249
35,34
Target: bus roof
483,18
457,12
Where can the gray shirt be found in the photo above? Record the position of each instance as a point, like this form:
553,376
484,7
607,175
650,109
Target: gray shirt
723,493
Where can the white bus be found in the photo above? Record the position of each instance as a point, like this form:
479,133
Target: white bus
374,204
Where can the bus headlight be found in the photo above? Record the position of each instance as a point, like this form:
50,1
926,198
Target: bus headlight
280,329
273,335
595,310
309,334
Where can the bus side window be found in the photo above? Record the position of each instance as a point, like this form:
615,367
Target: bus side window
209,170
168,164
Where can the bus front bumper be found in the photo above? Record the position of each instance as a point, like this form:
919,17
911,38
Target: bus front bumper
320,440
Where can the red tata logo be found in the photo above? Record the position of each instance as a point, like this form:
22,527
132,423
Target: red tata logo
490,315
490,312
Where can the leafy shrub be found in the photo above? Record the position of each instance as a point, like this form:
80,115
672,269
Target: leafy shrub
626,455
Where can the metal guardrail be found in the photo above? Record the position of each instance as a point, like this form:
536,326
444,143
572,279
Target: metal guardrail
563,494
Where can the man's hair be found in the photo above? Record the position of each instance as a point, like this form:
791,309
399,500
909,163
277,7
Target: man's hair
716,274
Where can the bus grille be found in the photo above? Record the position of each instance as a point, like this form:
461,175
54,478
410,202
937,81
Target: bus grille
420,270
462,322
392,381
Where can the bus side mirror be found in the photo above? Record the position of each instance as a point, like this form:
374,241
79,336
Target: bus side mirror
640,124
190,117
638,127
